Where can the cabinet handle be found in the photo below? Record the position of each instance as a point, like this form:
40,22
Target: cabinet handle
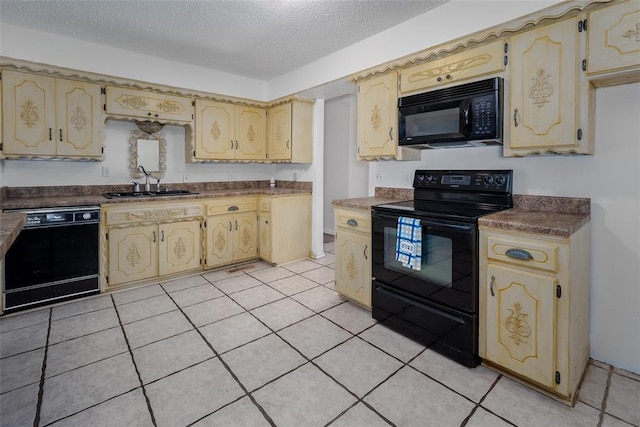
236,224
233,208
60,135
493,280
50,134
519,254
231,144
365,252
229,225
287,144
236,144
352,222
515,117
162,236
391,133
154,237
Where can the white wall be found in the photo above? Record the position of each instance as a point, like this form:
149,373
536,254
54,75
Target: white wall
610,179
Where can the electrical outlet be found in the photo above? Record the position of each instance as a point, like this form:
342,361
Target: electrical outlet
106,171
229,177
407,179
185,178
379,178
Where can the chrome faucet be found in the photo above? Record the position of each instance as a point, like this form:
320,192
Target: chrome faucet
147,185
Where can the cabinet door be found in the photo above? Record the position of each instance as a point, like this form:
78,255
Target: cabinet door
149,105
353,266
521,321
378,116
179,248
79,119
133,253
245,228
264,229
29,118
544,75
251,133
214,133
219,240
613,39
279,141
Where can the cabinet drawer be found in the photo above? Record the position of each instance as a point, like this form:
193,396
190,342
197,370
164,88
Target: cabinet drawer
353,220
151,105
471,63
231,205
525,252
151,213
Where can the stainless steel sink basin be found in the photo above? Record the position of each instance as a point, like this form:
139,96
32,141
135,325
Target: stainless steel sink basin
139,194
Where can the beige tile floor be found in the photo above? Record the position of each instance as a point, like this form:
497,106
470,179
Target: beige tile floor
256,346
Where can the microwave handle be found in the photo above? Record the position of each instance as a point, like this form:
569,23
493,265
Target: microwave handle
466,111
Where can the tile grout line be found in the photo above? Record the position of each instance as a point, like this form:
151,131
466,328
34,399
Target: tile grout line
226,366
36,420
135,365
603,406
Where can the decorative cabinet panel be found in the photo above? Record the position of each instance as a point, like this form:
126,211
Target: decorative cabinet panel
613,39
148,105
353,252
471,63
378,120
534,307
229,132
232,230
146,240
50,117
285,228
550,98
180,247
133,253
290,132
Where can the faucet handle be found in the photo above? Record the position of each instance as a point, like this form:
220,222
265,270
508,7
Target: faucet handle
136,186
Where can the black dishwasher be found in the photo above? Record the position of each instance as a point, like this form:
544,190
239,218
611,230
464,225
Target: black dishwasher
55,257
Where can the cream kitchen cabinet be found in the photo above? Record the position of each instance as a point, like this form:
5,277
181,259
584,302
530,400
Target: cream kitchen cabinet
232,230
285,228
353,254
613,41
534,307
128,102
377,126
290,132
46,117
471,63
147,240
229,132
550,100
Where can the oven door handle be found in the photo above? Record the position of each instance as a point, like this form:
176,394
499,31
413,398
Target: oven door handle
457,319
464,227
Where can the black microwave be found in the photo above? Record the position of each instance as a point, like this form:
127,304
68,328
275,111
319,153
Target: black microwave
459,116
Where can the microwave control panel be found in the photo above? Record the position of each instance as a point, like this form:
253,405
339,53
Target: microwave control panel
483,116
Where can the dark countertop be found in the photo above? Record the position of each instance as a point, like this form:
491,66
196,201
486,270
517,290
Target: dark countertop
382,195
10,226
547,215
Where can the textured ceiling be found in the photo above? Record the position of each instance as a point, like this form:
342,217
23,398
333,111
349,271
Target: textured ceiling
262,39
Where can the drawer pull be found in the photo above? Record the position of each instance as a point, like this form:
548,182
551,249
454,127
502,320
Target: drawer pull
519,254
493,280
352,222
233,208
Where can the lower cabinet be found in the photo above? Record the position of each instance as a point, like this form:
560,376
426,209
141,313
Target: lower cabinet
534,307
232,230
353,255
285,228
151,240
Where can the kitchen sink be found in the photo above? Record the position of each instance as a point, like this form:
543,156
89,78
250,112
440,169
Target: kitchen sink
139,194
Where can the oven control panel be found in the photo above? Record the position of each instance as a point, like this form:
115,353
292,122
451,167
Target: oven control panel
492,180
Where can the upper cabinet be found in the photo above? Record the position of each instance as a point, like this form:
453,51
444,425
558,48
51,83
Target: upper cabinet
613,40
550,100
378,120
472,63
148,105
229,132
290,132
46,117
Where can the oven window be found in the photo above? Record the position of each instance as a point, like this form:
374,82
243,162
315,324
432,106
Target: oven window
438,122
437,258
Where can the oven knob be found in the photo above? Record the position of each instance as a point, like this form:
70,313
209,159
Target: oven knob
86,215
419,178
500,180
488,180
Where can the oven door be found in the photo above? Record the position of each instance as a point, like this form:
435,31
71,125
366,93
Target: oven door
448,269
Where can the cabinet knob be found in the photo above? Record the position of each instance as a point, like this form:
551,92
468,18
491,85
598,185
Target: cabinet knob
448,76
439,79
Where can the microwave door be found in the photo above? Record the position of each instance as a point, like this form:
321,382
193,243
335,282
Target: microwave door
446,121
